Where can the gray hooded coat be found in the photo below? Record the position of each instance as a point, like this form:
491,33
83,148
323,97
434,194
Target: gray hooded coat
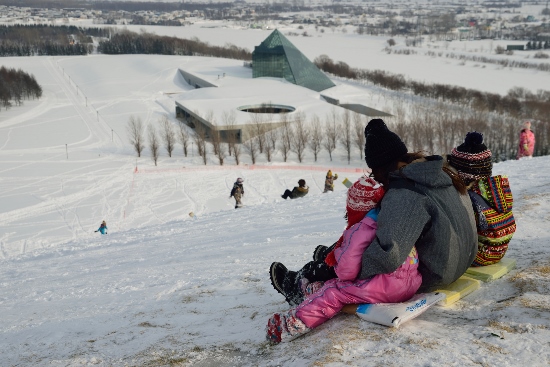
422,208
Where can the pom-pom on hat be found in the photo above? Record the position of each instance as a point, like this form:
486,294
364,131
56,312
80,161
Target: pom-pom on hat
472,159
382,146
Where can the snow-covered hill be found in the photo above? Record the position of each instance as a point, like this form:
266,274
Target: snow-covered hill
163,289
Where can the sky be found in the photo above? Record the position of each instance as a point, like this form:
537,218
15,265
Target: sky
165,289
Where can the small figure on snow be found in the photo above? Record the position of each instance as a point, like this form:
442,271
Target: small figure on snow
298,191
325,300
238,192
329,181
491,198
526,141
102,228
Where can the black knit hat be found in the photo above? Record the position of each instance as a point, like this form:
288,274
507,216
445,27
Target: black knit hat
382,146
472,159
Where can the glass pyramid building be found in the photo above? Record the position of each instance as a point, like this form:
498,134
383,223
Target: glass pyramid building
277,57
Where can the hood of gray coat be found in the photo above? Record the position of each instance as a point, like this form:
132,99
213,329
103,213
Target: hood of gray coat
426,172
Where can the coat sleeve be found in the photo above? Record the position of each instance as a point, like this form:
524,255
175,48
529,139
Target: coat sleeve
349,254
232,191
401,221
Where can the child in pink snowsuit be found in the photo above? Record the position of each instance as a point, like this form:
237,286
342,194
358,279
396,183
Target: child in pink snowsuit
326,300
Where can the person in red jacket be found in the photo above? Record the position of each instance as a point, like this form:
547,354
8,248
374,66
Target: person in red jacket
526,141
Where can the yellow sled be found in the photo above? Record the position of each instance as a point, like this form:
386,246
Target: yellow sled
492,272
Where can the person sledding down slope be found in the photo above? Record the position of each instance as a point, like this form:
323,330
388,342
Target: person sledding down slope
297,192
491,198
329,181
426,206
238,192
325,301
102,228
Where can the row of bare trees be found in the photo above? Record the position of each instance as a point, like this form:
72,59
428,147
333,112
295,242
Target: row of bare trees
298,136
435,129
439,127
531,106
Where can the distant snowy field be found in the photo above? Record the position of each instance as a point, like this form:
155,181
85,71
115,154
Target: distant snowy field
164,289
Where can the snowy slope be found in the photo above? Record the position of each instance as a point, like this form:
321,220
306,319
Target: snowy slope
197,292
163,289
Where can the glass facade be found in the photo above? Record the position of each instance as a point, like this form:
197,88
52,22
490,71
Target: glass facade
277,57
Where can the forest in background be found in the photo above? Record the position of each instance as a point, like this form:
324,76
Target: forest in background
17,85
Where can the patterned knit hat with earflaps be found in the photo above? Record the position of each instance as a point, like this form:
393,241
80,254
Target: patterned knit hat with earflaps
382,146
363,195
472,159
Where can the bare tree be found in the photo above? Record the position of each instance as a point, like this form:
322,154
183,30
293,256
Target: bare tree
200,138
331,129
135,132
154,144
252,147
359,133
167,134
345,133
237,153
300,137
271,138
316,138
286,136
259,127
216,139
183,137
229,120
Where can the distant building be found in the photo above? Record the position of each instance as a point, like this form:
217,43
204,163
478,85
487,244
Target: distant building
277,57
283,85
515,47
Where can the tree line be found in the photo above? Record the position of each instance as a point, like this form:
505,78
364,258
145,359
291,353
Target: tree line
127,42
532,106
164,6
433,128
37,40
17,85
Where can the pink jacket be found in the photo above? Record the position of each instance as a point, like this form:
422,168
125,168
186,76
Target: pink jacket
526,143
398,286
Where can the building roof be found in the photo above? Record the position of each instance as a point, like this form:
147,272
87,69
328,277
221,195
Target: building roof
277,57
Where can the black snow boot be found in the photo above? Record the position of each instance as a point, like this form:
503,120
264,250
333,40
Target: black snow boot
320,253
286,282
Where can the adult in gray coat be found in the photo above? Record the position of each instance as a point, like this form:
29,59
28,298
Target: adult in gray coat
426,205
